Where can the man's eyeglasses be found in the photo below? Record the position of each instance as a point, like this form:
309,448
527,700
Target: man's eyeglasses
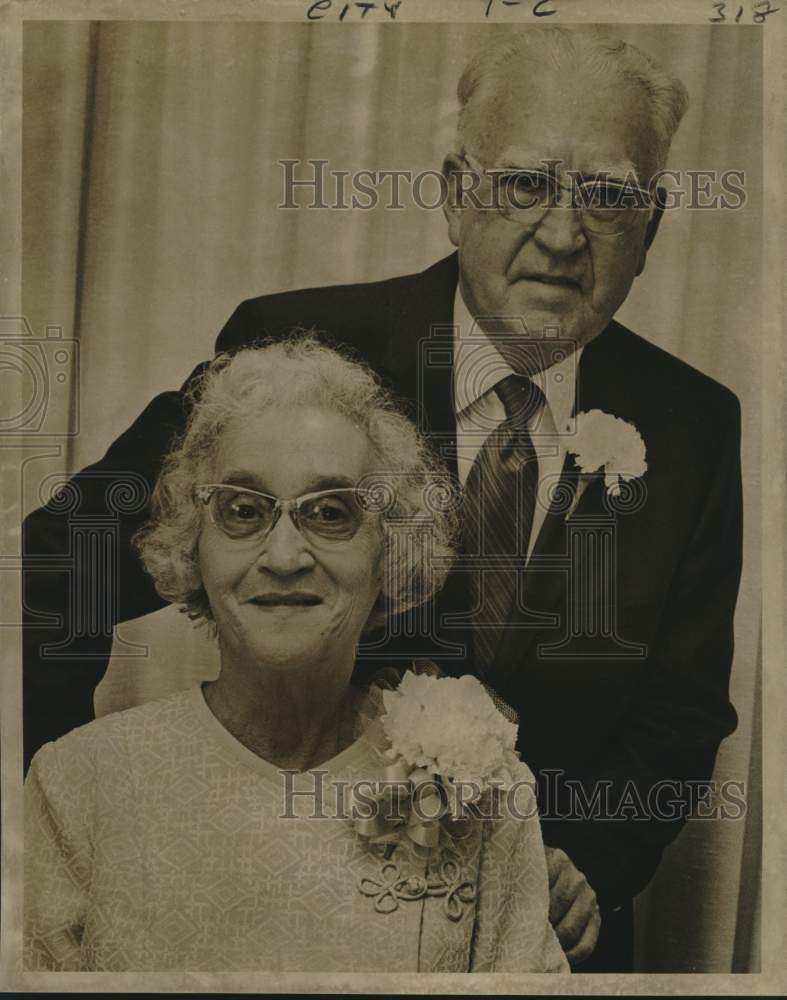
327,516
607,207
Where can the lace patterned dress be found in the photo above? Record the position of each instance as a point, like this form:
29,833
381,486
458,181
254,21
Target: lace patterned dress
155,841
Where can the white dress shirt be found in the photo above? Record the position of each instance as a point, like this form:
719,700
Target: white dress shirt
478,367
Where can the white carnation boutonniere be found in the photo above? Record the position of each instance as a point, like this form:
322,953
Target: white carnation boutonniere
605,442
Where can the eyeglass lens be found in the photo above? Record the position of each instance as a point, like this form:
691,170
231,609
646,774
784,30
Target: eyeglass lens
331,516
525,196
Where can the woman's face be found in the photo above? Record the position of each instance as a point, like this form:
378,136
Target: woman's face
285,599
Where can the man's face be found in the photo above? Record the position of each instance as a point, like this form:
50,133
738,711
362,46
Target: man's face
555,275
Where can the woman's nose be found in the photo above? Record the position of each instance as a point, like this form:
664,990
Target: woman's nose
285,550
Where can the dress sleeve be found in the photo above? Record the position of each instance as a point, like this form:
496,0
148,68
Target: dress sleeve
513,933
58,855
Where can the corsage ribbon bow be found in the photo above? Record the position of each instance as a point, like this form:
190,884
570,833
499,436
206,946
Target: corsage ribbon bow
391,807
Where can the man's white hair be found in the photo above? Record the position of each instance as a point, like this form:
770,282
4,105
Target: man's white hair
556,48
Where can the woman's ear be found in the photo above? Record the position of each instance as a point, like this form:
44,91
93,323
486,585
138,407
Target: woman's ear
378,616
379,612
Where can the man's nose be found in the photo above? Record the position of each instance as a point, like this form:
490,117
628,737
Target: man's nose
560,231
285,551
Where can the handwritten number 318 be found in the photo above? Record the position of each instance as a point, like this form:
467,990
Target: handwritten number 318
761,10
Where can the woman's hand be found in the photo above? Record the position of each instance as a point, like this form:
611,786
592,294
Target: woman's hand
573,910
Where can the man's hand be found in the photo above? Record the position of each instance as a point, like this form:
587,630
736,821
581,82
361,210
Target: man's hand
573,910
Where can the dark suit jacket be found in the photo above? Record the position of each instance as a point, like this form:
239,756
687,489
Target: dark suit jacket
639,702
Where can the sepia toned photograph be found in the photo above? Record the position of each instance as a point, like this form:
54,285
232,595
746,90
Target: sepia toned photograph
387,447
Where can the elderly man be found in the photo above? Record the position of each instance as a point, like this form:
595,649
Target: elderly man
603,617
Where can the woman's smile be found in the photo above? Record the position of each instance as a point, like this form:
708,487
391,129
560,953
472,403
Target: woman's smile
292,599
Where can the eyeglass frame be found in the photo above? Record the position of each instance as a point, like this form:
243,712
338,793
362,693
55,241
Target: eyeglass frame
656,204
204,493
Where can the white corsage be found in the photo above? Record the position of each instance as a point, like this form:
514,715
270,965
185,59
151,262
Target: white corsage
433,735
606,442
451,727
438,738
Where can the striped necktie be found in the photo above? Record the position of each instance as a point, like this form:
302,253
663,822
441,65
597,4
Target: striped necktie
500,497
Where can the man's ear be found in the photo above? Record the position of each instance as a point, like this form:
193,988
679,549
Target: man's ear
652,228
452,206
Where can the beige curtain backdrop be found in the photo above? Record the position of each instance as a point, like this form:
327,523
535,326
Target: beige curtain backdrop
150,210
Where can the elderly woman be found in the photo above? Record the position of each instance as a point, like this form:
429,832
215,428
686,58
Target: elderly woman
210,830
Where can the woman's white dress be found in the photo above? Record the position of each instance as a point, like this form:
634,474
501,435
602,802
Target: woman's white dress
155,841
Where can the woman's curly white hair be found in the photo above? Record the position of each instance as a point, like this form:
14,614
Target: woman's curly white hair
412,487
